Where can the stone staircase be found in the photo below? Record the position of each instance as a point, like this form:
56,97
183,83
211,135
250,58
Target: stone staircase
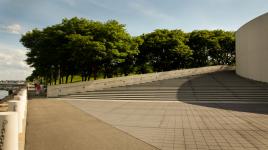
221,86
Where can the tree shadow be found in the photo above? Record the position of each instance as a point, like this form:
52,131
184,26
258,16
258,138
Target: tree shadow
225,90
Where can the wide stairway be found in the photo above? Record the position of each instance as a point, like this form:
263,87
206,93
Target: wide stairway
218,86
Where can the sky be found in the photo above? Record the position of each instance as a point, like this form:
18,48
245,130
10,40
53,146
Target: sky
140,16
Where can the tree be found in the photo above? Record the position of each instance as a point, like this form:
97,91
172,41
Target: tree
227,44
199,43
79,46
215,47
165,50
120,48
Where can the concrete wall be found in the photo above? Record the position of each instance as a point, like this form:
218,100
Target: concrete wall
65,89
252,49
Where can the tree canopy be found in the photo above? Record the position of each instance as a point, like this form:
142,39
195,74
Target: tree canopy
88,48
165,50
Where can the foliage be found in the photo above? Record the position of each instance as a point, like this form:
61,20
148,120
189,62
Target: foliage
79,46
88,48
212,47
165,50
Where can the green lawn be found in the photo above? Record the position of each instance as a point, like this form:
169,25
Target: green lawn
78,78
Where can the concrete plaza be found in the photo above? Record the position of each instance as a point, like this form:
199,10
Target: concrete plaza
178,125
212,111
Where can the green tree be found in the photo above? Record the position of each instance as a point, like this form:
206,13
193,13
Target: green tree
215,47
199,43
120,48
165,50
79,46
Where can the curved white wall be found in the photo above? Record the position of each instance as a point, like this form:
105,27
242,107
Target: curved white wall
252,49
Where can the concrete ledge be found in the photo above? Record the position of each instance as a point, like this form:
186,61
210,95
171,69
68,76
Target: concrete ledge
13,122
65,89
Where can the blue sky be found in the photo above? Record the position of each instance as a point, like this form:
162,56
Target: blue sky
139,16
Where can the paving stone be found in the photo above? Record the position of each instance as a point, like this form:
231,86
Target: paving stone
213,111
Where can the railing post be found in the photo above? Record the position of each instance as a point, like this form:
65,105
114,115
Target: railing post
9,131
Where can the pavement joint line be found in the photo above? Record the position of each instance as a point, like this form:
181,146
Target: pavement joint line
162,101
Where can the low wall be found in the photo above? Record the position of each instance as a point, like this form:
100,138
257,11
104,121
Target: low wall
13,122
65,89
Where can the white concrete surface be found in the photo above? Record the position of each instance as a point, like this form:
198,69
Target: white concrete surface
9,124
16,118
252,49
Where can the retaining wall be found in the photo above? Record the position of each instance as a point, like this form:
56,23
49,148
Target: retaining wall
71,88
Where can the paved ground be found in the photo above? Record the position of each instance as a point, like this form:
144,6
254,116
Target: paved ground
178,125
212,111
57,125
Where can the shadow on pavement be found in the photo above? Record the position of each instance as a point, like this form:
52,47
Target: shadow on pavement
225,90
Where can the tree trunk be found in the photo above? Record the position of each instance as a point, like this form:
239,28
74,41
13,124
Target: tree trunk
89,72
89,75
60,80
72,76
66,80
105,73
83,76
95,74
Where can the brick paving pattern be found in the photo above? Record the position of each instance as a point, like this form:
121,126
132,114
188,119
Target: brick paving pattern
218,111
177,125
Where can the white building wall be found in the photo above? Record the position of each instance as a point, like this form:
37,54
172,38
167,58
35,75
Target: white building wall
252,49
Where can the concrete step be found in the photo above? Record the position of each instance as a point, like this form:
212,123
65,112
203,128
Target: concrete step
219,86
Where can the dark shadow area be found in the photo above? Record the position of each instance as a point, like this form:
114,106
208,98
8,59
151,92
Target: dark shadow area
225,90
32,94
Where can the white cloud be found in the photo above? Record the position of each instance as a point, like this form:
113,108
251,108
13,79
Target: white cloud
12,64
150,11
12,28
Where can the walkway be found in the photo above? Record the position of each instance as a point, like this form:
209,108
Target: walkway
56,125
212,111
